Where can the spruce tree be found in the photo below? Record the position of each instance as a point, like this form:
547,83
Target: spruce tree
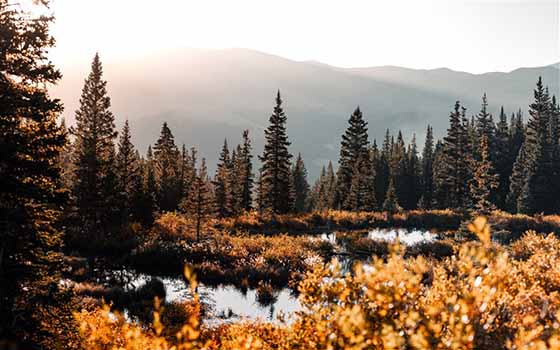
484,126
246,172
362,191
391,203
222,183
485,180
151,186
316,192
427,181
300,185
95,154
455,172
275,171
382,169
538,190
31,193
354,145
166,167
127,171
200,203
503,159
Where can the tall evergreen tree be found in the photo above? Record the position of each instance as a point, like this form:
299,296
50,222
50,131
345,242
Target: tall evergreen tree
200,203
354,145
127,170
151,186
275,172
485,180
246,172
300,185
503,159
539,187
31,195
484,126
454,175
361,196
391,203
222,183
95,154
427,181
166,167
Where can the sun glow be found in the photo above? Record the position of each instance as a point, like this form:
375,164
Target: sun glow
418,34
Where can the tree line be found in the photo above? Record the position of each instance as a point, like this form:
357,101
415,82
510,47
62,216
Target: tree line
480,165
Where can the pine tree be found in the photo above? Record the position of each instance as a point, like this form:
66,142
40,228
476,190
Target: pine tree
391,203
454,174
187,170
503,159
246,172
200,203
354,145
222,184
165,159
316,192
95,154
151,186
538,190
127,170
361,196
484,126
300,185
410,177
485,180
275,171
439,181
427,182
382,170
31,194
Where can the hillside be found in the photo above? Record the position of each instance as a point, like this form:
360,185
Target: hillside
206,95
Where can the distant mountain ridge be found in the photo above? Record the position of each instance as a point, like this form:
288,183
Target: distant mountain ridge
207,95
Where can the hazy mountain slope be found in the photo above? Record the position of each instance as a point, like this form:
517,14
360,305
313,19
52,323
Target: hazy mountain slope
207,95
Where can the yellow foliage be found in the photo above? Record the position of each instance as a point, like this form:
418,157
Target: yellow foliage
483,297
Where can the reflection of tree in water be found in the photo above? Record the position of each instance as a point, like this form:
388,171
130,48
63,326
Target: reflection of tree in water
271,312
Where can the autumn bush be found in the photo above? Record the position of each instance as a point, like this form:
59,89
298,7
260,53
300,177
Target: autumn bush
486,296
342,220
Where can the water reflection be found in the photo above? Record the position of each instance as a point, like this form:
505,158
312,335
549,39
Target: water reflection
228,301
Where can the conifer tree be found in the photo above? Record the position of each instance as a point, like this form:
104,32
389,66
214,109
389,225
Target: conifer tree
127,170
165,160
31,195
382,170
538,190
391,203
362,191
187,170
454,174
503,159
151,186
300,185
275,171
246,172
200,203
427,182
485,180
484,126
95,154
354,145
410,177
222,183
316,192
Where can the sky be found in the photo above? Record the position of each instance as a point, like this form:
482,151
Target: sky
469,35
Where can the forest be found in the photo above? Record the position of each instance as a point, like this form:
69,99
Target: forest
449,245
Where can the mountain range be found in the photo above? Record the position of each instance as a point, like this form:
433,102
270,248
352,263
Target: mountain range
208,95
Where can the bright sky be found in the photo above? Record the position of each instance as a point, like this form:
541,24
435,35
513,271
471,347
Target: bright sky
470,35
